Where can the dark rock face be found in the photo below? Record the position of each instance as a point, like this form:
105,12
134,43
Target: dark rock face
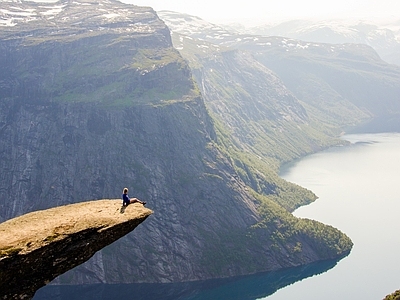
37,247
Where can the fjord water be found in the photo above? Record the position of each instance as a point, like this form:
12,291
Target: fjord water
359,193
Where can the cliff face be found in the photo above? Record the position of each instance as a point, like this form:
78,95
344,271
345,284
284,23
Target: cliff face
37,247
96,100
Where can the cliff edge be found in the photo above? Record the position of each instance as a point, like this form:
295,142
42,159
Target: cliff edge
37,247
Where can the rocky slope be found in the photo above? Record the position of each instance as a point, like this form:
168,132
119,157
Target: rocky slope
37,247
97,99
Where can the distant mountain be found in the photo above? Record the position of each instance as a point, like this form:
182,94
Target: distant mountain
385,39
339,84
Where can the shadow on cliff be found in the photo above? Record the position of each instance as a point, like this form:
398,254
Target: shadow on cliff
243,288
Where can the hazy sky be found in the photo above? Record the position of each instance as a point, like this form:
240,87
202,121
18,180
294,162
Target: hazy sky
213,10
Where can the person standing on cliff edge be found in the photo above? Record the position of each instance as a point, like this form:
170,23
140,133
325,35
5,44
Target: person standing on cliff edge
126,200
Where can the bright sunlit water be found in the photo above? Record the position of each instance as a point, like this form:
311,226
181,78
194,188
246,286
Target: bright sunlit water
359,193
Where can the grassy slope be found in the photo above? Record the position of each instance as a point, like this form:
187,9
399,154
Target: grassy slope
104,69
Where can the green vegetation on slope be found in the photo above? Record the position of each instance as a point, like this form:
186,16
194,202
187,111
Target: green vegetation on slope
327,241
278,234
260,173
107,69
393,296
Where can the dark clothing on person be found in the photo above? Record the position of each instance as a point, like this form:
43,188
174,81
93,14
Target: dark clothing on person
125,199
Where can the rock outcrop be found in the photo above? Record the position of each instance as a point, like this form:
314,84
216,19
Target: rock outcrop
37,247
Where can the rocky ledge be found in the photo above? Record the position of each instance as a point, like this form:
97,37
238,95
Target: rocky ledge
37,247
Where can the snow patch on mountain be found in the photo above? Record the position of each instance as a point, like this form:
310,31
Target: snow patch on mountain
384,38
52,11
13,15
103,15
192,26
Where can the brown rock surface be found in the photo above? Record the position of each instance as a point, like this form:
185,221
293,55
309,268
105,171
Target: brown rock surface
37,247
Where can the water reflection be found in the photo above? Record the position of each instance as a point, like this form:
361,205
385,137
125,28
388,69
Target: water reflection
243,288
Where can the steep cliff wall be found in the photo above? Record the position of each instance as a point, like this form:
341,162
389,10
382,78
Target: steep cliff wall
102,101
37,247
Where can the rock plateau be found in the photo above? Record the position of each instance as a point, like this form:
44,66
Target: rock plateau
37,247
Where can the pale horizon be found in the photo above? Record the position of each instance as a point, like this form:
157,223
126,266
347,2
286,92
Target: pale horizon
256,11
